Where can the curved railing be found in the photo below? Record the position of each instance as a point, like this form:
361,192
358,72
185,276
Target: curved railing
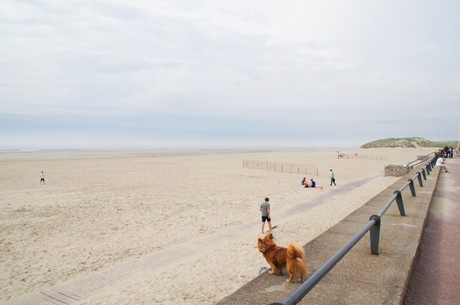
373,226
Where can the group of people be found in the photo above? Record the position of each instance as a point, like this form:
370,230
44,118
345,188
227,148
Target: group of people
310,183
448,152
313,184
440,163
265,206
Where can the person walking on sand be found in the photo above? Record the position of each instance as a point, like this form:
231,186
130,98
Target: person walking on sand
332,177
42,178
265,210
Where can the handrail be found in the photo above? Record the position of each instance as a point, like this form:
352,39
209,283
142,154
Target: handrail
419,160
373,226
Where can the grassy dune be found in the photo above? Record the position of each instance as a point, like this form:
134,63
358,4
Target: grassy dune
408,143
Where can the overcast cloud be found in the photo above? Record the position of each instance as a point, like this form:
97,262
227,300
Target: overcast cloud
146,74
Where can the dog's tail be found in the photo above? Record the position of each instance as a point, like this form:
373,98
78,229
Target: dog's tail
295,251
297,254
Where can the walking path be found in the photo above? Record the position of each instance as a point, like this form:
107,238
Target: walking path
79,289
435,278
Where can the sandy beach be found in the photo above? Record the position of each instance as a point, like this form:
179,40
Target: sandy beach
165,228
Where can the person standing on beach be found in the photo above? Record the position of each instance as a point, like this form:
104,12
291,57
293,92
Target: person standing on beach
265,210
42,178
332,177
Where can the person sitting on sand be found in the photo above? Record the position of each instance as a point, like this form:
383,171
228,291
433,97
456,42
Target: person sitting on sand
314,185
304,180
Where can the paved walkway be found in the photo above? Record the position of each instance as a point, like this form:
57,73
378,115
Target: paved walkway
435,279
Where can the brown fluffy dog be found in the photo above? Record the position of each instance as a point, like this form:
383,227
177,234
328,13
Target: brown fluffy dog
292,258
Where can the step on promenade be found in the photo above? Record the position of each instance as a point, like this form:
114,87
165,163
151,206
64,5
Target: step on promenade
361,277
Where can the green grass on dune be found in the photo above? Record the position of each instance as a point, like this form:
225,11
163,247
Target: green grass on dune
408,143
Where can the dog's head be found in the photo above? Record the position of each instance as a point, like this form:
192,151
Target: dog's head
263,244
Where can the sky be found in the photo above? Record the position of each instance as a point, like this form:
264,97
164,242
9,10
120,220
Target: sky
228,73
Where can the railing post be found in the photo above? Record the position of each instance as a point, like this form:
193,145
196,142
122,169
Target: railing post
375,234
400,202
428,168
424,173
419,177
412,187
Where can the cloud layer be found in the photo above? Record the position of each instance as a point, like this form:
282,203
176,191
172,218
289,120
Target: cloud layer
227,73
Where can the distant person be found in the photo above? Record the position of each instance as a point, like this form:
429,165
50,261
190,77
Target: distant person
440,163
304,180
42,178
332,177
265,210
313,184
445,152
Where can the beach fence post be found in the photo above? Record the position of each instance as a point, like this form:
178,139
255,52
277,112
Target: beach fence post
290,168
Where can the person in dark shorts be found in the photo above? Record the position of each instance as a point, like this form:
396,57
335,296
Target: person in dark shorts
42,178
332,177
265,210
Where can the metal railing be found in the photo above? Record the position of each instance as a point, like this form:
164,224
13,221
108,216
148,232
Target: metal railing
420,160
373,226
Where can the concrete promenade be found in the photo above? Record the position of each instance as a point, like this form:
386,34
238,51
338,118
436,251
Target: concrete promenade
435,277
361,277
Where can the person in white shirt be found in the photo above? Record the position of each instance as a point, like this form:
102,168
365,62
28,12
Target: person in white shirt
42,178
440,163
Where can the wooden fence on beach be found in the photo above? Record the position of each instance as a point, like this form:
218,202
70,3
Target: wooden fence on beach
290,168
